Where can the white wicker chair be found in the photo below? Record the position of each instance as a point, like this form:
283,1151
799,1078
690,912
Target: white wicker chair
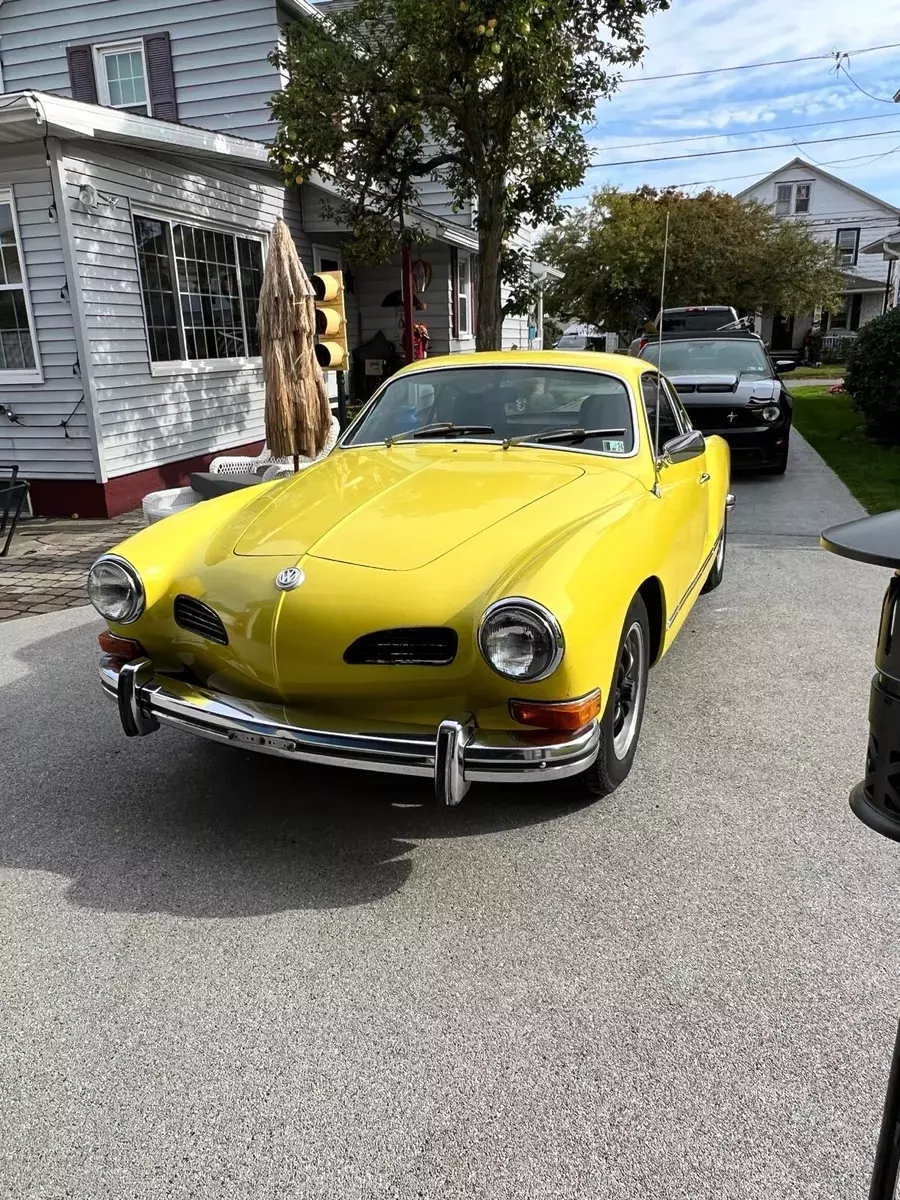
264,463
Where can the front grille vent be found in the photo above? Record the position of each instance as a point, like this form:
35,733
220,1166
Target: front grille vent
422,646
199,618
684,388
715,387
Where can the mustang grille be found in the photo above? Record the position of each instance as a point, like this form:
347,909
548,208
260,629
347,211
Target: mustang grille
423,646
686,388
199,618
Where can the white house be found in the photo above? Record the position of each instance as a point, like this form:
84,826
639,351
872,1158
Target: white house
851,220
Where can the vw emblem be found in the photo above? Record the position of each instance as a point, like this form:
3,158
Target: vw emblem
732,416
288,579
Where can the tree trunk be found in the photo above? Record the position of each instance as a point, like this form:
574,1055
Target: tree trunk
489,318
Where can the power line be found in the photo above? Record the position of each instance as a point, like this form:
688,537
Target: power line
847,137
841,66
702,137
780,62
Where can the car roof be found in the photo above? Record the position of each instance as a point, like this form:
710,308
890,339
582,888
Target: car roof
624,365
701,308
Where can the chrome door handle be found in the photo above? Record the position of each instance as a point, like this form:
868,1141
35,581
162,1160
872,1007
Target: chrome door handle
704,478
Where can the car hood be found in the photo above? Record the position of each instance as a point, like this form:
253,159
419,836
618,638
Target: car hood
399,508
713,389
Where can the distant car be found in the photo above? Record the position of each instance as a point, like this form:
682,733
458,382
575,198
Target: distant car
697,318
586,337
730,387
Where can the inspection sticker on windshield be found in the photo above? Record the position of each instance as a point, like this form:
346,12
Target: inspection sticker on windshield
614,445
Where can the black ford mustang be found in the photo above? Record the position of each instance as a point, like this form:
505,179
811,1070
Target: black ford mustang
730,386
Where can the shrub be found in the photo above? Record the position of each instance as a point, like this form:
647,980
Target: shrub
873,376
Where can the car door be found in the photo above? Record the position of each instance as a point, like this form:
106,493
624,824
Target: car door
682,494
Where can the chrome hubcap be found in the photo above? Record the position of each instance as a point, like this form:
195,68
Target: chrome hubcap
629,690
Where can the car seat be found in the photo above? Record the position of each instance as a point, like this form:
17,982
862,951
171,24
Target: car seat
609,410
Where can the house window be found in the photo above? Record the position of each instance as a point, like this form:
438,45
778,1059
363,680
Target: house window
121,71
792,198
200,289
839,316
464,295
18,349
847,242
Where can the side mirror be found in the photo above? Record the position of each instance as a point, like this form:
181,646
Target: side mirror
784,365
685,446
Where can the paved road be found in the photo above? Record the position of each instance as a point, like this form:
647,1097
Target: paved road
223,977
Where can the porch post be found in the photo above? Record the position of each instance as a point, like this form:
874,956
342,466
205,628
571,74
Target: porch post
408,317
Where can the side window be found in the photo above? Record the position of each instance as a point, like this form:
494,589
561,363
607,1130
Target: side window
653,386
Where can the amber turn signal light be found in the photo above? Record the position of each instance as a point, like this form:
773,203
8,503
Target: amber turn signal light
127,648
567,715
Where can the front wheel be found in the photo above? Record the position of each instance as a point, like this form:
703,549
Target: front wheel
620,726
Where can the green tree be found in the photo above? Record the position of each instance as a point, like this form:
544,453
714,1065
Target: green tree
493,94
721,251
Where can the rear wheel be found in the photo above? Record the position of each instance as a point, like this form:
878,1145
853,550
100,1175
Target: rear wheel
620,726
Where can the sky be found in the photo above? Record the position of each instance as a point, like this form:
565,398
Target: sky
746,108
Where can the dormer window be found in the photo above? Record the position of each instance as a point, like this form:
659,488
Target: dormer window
122,77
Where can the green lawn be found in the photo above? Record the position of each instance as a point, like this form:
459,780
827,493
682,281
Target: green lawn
830,424
826,371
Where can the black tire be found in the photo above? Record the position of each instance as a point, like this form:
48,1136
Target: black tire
611,766
717,571
779,467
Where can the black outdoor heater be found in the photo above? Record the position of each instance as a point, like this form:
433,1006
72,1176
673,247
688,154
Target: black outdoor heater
876,800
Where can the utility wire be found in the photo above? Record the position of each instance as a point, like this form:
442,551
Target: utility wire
841,67
703,137
780,62
847,137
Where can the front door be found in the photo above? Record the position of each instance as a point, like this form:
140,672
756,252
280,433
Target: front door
684,521
782,332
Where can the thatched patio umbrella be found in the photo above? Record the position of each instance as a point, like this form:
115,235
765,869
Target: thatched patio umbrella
298,414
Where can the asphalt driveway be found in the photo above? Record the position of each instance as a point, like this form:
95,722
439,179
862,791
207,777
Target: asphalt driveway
229,977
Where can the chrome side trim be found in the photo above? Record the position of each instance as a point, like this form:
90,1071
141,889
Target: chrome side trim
453,756
703,567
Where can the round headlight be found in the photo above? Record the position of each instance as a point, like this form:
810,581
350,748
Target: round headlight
115,589
771,413
520,639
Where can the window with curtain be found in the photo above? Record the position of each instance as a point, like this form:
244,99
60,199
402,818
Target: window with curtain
847,242
201,290
18,352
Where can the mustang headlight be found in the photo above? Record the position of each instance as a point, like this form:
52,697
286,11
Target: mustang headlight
115,589
520,639
771,413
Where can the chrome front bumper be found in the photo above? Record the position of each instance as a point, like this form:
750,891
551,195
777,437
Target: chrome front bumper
454,755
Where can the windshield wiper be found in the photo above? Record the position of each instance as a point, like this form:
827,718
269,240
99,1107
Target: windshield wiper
566,434
436,430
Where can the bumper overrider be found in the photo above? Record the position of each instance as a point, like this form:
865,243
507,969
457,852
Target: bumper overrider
454,755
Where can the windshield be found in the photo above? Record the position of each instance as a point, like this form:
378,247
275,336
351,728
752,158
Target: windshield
708,356
513,402
684,322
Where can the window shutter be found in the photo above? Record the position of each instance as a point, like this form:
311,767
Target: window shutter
160,77
81,73
454,292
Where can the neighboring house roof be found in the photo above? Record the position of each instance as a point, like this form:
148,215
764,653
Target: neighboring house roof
889,245
859,283
813,169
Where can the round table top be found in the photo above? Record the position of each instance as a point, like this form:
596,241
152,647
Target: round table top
870,539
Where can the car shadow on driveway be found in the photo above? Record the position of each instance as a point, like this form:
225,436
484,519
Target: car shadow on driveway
175,824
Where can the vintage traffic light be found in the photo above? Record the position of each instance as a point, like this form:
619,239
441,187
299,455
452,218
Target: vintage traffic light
331,321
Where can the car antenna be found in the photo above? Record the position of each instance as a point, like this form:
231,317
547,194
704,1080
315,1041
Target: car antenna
662,304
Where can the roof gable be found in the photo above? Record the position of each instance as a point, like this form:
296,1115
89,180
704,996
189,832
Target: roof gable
818,172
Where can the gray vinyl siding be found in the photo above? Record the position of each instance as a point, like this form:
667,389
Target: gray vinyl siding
39,445
145,419
223,79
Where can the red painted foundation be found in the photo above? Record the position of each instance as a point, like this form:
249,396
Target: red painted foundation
82,498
